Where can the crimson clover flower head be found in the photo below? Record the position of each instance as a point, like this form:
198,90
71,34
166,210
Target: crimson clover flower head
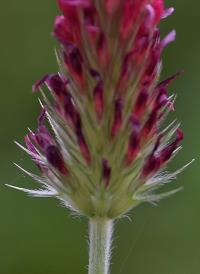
106,149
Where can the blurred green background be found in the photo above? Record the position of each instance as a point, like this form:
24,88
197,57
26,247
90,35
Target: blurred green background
37,236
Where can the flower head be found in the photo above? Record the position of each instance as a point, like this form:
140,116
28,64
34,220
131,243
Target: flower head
106,151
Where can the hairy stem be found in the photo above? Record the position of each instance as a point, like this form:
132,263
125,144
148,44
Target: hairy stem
100,241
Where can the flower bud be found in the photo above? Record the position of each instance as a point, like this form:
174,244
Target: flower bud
107,148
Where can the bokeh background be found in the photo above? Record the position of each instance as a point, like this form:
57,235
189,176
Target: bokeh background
37,236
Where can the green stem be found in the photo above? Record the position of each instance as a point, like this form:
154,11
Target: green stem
100,241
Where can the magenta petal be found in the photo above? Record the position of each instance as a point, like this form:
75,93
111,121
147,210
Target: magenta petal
168,12
169,38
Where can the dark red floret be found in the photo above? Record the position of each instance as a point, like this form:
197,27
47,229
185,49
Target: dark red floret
151,166
134,142
62,31
141,102
55,158
117,121
106,172
99,99
42,117
82,144
70,110
167,152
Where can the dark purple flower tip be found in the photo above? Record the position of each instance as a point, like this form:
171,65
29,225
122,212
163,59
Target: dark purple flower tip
134,142
102,49
168,151
151,68
125,70
29,141
151,166
150,124
70,110
83,145
168,81
106,172
99,99
141,102
90,19
43,138
30,145
117,121
42,117
74,62
156,160
39,83
55,158
95,74
163,101
135,124
153,162
62,30
54,82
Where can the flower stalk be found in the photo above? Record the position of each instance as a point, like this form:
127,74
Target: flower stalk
100,241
